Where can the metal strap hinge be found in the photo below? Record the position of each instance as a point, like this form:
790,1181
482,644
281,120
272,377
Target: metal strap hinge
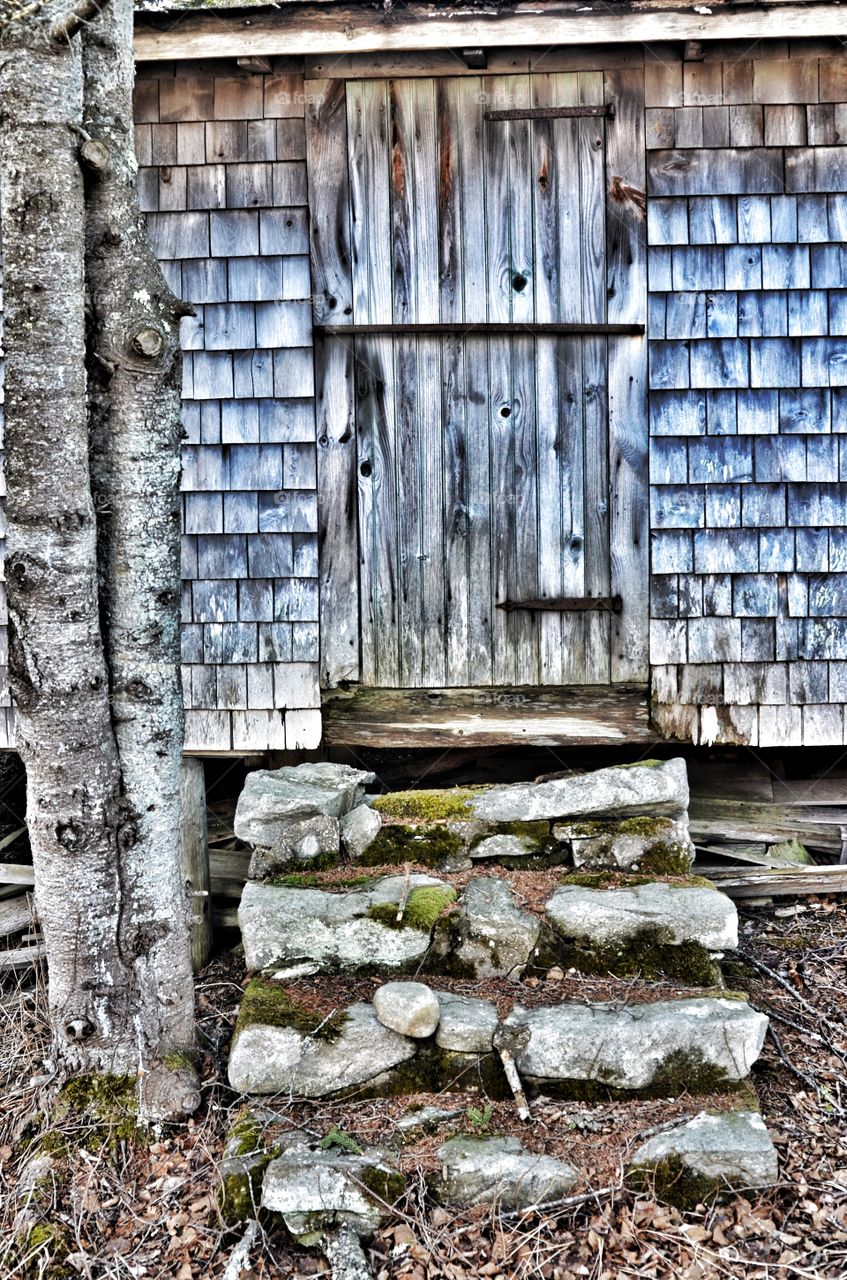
566,604
552,113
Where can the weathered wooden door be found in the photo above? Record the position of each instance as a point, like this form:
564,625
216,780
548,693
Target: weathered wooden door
452,219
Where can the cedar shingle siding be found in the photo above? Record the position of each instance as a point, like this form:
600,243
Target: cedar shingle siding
222,177
748,397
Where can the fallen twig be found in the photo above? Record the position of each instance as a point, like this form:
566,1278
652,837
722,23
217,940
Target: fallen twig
404,896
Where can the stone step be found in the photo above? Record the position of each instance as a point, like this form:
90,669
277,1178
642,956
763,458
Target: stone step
477,927
313,1182
697,1044
313,815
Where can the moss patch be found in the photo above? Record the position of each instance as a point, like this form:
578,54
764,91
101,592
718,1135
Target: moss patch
423,907
385,1183
309,880
681,1073
42,1252
267,1003
667,858
671,1182
437,805
106,1102
436,1070
246,1157
649,954
609,879
428,844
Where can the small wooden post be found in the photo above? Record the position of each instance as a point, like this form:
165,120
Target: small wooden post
195,858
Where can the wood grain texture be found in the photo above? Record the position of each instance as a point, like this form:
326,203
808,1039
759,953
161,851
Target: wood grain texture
349,30
626,275
329,202
591,715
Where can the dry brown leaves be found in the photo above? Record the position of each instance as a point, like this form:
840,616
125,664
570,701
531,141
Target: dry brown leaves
150,1210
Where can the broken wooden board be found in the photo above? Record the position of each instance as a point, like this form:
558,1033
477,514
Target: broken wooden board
22,957
15,915
776,883
585,715
723,821
16,873
228,872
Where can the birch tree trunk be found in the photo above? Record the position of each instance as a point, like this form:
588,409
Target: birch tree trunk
94,657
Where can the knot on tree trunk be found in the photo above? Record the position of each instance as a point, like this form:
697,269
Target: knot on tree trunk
148,342
94,155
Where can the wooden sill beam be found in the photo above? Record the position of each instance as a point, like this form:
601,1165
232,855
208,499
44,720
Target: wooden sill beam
299,30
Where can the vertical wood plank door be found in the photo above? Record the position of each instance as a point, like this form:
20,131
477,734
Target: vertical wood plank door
480,458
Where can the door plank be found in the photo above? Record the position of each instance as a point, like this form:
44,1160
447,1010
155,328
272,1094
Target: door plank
451,251
378,504
329,201
559,295
409,518
524,582
627,294
370,235
338,520
594,628
432,464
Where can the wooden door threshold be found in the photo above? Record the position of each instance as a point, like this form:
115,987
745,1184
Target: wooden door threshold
588,715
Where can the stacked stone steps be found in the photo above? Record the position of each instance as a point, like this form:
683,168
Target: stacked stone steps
440,943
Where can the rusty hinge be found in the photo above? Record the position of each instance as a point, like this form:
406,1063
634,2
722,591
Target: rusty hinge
551,113
566,604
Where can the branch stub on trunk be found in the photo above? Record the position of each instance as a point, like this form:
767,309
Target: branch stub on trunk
148,342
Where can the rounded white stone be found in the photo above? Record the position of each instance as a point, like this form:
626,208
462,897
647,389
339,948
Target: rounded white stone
411,1008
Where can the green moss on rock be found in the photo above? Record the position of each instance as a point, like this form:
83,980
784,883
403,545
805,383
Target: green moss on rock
649,954
672,1183
268,1004
437,805
435,1070
246,1157
681,1073
385,1183
428,844
310,880
423,907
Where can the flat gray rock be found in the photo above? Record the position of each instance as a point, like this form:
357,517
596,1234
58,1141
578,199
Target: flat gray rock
316,1191
679,914
497,938
467,1024
302,842
282,926
623,850
659,787
409,1008
271,1059
503,846
359,828
274,798
483,1170
627,1046
734,1150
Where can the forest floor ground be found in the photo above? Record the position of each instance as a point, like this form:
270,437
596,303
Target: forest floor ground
112,1207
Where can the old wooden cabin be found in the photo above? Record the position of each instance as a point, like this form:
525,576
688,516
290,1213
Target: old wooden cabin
516,388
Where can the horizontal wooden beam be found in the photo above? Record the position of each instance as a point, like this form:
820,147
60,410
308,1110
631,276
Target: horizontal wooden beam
297,30
479,328
765,883
584,715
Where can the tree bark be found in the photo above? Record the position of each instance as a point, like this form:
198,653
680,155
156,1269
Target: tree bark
94,661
